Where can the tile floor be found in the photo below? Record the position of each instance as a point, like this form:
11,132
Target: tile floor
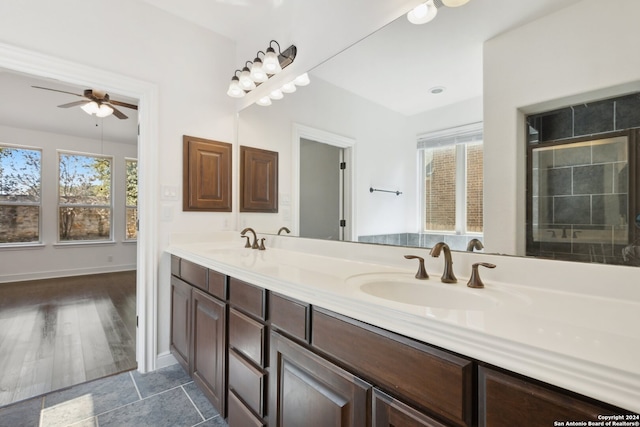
166,397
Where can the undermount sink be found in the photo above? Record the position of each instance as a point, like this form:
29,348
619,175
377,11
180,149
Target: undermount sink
406,289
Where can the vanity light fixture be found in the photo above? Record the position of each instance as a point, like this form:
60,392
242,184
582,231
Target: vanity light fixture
422,13
302,80
288,87
261,69
425,12
264,101
276,94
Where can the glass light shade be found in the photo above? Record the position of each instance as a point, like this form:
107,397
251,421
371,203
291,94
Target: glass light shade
454,3
235,91
258,74
288,87
104,110
91,107
302,80
422,13
276,94
271,64
245,80
264,101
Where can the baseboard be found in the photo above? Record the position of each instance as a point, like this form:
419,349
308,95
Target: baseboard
165,359
36,275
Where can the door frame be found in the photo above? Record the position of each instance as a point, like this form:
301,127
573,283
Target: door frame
44,66
349,145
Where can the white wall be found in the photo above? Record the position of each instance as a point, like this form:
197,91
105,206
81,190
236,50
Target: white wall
581,53
52,260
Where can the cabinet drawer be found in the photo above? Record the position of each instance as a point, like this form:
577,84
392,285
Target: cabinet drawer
247,382
175,265
247,298
389,412
218,285
507,401
424,376
247,336
239,415
194,274
290,316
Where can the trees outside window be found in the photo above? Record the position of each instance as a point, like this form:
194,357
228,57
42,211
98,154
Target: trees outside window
20,194
84,202
131,232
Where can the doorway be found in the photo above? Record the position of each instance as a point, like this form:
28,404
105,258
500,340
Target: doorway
38,65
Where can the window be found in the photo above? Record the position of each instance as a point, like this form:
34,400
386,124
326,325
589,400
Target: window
84,197
20,176
452,180
131,203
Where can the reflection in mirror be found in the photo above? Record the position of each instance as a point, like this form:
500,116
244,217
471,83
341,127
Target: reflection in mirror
476,54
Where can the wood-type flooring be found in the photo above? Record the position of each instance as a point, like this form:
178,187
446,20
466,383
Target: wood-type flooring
59,332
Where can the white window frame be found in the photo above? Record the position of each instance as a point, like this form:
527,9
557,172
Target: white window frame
38,204
61,205
460,136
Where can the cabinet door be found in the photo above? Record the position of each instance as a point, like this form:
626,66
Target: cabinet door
390,412
209,344
180,320
508,401
306,390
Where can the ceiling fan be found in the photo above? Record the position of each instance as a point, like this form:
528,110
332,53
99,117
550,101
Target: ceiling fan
95,102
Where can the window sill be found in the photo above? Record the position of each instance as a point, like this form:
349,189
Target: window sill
21,246
81,243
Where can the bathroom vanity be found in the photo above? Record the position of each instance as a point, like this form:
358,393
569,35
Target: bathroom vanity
313,333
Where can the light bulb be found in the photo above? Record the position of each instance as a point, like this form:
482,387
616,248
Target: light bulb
264,101
91,107
454,3
104,110
288,87
235,91
276,94
422,13
258,74
245,80
271,63
302,80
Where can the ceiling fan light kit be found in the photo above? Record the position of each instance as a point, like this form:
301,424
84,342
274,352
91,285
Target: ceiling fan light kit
95,102
425,12
261,70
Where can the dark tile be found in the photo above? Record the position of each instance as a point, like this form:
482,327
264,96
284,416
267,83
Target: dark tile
160,380
542,158
169,409
554,182
620,178
572,210
213,422
594,179
628,112
610,152
413,239
595,117
25,413
610,209
200,400
543,210
86,400
556,125
571,155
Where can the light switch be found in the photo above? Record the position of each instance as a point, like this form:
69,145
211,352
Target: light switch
169,192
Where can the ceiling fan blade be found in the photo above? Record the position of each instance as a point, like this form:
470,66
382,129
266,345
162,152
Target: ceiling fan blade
56,90
118,113
73,104
123,104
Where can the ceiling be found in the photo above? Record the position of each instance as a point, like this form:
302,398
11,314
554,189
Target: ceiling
445,52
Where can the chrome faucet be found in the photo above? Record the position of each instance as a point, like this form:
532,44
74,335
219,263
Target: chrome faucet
474,244
285,229
254,245
447,276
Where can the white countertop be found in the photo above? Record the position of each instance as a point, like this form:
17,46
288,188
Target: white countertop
584,342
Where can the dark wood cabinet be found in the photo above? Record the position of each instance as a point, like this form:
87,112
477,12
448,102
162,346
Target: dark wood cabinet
180,321
258,180
208,356
307,390
390,412
506,400
206,175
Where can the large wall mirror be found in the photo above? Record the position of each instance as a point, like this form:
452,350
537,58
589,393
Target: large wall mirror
467,79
